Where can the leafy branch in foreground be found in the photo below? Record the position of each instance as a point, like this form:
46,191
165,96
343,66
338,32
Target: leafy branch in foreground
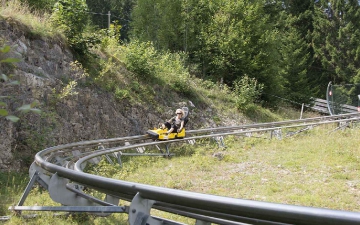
5,83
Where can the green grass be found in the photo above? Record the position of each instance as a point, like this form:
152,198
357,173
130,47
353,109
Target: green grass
316,168
20,16
292,171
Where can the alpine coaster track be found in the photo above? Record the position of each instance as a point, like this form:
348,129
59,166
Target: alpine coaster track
59,170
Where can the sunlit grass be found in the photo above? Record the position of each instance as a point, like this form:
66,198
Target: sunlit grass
36,23
317,168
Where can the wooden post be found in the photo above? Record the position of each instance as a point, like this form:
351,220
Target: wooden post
302,109
109,19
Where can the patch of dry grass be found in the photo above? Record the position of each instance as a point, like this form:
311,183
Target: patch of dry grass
38,24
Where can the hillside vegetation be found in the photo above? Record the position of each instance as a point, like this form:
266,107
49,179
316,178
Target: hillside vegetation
102,90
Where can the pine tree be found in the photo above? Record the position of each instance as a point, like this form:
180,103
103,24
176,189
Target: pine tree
336,39
294,22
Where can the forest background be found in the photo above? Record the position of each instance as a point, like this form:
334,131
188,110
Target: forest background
291,48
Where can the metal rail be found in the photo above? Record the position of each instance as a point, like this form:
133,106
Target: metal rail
60,170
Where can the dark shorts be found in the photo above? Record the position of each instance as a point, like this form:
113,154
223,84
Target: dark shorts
169,126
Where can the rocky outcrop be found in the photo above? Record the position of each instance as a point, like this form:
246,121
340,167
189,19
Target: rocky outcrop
91,114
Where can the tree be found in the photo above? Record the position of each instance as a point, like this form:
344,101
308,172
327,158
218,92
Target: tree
159,22
240,41
72,17
293,21
295,59
336,40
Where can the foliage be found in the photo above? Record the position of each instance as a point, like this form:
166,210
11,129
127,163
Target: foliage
110,37
120,11
295,59
71,16
31,22
159,22
246,90
78,73
40,5
140,57
226,42
335,40
151,65
5,83
171,67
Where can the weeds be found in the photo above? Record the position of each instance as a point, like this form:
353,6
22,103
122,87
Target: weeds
37,23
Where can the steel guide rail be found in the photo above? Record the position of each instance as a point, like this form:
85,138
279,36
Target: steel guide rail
207,207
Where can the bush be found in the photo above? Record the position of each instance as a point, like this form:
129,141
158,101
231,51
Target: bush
171,69
246,91
149,64
71,17
140,58
40,5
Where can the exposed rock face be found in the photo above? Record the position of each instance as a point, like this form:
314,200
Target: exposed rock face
91,114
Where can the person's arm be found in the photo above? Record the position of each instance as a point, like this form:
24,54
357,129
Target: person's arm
171,120
181,126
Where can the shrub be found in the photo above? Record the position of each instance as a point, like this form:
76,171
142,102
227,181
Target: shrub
246,91
140,58
149,64
71,17
42,5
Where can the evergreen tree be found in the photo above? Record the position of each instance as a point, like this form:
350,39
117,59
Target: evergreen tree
336,39
294,22
295,58
240,40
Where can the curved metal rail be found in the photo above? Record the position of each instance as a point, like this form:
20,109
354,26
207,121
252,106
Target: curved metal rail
59,169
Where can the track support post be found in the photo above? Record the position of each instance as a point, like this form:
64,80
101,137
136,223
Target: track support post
28,188
139,212
220,141
276,133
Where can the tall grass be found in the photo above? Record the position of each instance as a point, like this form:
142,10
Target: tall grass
12,184
37,23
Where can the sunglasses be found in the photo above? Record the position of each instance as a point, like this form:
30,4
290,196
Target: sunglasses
178,113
